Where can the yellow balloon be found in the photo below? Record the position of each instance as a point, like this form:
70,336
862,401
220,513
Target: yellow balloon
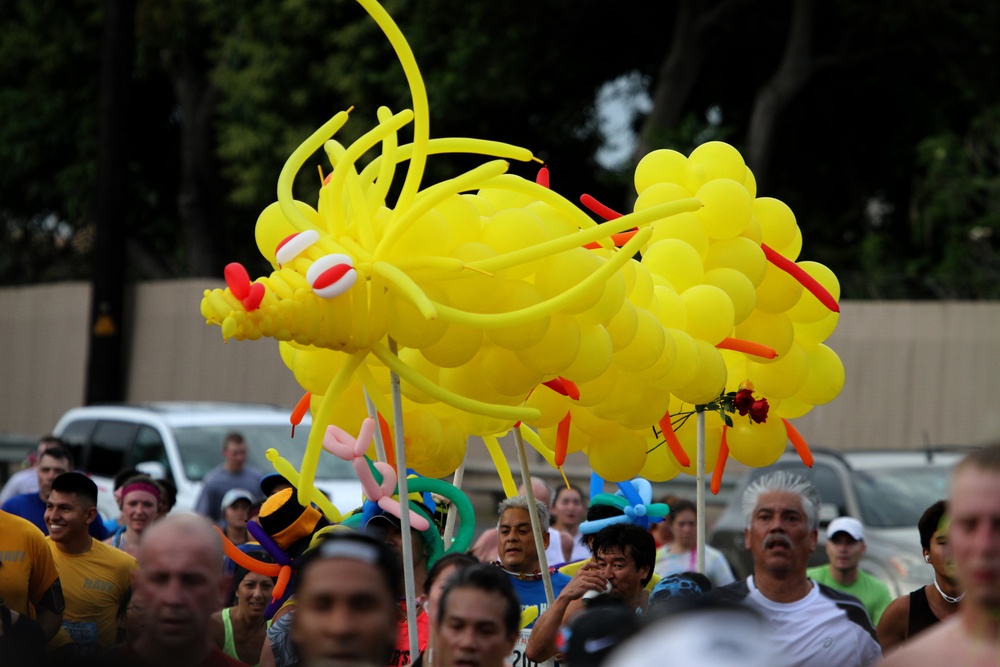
624,396
783,377
719,160
505,373
619,455
792,250
686,363
727,208
778,292
792,408
826,376
816,332
597,390
659,166
771,329
415,360
753,231
645,347
660,466
623,326
561,272
777,222
595,354
512,229
808,309
710,313
710,380
556,350
516,295
457,346
428,235
739,288
750,183
501,198
664,363
683,226
675,260
638,283
660,193
462,219
551,404
472,289
467,380
670,310
649,408
407,325
272,227
738,253
756,445
736,368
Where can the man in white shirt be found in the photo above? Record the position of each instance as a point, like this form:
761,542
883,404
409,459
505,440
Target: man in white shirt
813,625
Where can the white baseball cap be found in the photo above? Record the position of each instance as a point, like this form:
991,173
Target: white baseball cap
846,524
232,495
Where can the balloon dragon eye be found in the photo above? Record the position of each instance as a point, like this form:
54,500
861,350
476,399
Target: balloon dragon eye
294,245
332,275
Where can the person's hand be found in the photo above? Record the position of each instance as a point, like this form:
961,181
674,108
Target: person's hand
587,578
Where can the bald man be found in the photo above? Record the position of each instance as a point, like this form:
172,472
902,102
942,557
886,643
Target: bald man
181,583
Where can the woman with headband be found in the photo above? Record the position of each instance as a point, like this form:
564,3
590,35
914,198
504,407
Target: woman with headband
140,500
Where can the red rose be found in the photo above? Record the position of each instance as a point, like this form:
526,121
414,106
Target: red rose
743,401
758,411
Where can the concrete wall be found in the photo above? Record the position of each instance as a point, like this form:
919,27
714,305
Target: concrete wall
917,373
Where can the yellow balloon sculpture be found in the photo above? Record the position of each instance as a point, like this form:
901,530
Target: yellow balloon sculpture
510,304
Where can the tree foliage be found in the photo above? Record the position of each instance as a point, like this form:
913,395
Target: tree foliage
876,122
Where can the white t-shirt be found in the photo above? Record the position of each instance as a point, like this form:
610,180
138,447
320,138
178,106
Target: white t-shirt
822,629
716,566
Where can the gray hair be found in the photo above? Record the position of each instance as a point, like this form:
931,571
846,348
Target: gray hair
784,482
521,503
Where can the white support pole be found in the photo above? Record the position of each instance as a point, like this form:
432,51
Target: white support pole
373,413
700,494
404,515
536,527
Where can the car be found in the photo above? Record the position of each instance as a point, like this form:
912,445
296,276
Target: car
886,490
181,441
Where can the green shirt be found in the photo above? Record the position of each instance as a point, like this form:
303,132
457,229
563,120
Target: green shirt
874,595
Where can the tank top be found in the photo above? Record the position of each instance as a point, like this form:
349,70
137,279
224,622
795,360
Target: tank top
229,646
921,617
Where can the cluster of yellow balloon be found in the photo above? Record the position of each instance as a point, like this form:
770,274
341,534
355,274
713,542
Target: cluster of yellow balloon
491,285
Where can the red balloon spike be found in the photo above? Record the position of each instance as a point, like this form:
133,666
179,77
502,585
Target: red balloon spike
238,280
562,440
618,239
807,281
390,452
747,346
543,177
300,410
253,298
600,209
672,442
562,386
799,443
720,465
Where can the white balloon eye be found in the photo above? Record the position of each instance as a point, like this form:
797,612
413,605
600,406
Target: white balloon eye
294,245
332,275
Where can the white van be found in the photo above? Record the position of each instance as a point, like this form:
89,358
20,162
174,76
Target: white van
182,441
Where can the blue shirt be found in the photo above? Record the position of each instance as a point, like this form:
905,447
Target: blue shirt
532,593
31,507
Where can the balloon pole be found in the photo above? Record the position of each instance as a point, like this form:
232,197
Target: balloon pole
373,413
449,526
536,527
404,516
700,493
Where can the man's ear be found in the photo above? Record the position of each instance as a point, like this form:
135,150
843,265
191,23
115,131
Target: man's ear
813,539
545,537
864,547
746,538
91,514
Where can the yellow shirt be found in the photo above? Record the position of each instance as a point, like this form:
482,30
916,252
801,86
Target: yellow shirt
93,584
27,568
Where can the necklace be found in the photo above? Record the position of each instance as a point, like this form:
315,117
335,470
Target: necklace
529,576
948,598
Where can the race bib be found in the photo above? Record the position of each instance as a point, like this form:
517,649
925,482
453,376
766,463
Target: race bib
518,657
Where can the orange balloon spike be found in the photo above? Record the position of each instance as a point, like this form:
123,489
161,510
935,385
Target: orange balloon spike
390,450
807,281
561,385
748,347
246,561
300,411
282,583
618,239
720,464
599,208
672,442
799,443
562,440
542,178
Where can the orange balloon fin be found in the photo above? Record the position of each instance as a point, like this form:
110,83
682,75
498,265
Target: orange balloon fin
562,440
390,450
300,411
600,209
246,561
542,178
672,442
748,347
797,272
618,239
799,443
561,385
720,465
